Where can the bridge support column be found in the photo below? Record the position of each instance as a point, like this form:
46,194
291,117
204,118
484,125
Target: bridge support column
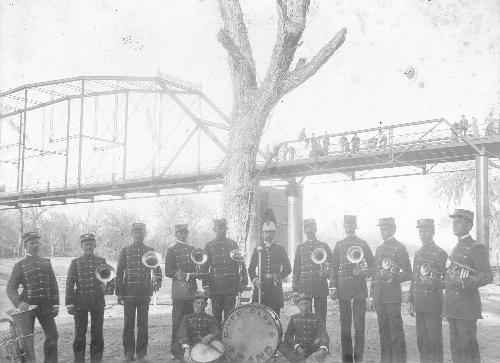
294,196
482,200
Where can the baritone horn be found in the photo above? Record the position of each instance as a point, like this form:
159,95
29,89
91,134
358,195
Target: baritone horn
355,254
104,273
151,260
319,256
425,269
199,256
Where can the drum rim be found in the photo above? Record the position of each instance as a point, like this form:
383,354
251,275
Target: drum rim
214,360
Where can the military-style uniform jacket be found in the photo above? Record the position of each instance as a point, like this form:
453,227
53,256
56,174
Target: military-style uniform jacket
275,267
390,292
133,279
83,289
304,329
38,280
195,326
225,275
179,259
350,286
462,301
426,293
306,274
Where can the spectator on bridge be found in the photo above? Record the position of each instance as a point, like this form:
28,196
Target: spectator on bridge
302,135
492,125
344,144
284,151
355,142
454,135
326,143
291,152
382,139
463,125
475,128
372,143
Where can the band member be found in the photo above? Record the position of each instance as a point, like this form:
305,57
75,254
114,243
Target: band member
392,267
195,327
352,264
469,269
84,295
309,277
305,334
226,277
426,293
179,266
134,288
37,278
275,267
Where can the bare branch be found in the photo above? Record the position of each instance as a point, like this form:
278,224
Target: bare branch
304,72
228,44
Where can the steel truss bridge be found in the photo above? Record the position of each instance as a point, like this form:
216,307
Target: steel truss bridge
86,139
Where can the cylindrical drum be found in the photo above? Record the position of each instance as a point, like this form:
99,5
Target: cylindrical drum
251,332
207,353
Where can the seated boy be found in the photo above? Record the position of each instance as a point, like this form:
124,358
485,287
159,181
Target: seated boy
305,335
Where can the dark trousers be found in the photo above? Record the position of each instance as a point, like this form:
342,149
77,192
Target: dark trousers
179,309
392,335
268,300
286,349
222,303
130,345
50,330
430,337
320,304
96,338
347,316
463,341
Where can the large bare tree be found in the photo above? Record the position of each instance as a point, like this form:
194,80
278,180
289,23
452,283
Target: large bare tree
253,102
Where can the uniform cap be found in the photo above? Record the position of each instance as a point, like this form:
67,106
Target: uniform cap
309,221
350,220
86,237
425,222
389,221
201,295
220,222
139,226
181,227
302,296
268,226
463,213
29,235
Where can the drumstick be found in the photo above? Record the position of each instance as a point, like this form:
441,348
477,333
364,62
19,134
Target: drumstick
215,348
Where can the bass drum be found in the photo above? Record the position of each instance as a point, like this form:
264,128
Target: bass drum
251,332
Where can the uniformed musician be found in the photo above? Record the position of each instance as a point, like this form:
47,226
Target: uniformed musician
391,268
426,293
179,266
196,327
349,282
305,334
469,269
226,277
308,277
275,267
84,295
134,288
37,278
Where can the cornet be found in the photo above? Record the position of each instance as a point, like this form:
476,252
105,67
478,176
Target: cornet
151,260
460,271
388,269
319,256
356,255
104,273
237,255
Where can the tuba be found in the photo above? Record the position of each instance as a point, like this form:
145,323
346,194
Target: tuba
151,260
104,273
356,255
319,256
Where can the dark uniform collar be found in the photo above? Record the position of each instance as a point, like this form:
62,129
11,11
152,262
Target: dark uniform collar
428,244
267,244
464,237
138,244
182,243
390,239
311,240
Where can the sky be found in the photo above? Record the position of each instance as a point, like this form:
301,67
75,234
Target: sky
453,45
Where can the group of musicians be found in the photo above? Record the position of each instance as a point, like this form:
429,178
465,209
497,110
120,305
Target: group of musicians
317,273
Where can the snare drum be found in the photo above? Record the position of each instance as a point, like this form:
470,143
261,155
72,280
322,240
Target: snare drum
211,353
251,332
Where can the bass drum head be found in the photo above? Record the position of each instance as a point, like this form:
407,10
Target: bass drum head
251,332
202,353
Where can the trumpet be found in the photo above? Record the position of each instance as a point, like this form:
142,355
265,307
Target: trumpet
104,273
355,254
461,271
319,256
151,260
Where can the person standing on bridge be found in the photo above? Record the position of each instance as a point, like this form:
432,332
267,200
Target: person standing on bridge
355,143
275,267
134,288
469,269
180,267
225,277
37,278
84,295
310,276
392,267
349,282
344,144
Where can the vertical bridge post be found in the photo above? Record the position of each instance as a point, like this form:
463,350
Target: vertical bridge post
482,200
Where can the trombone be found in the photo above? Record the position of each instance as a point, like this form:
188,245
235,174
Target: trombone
319,256
104,273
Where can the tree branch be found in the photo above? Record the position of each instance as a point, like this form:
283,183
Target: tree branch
301,74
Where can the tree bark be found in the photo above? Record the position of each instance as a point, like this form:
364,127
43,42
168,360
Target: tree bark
252,103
